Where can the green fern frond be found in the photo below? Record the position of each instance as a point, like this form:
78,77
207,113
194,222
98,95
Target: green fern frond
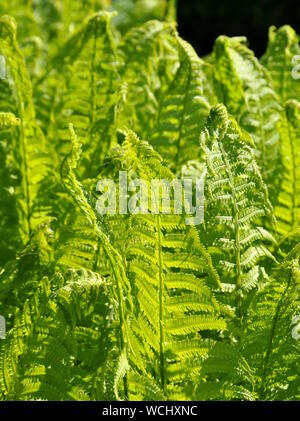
8,120
90,90
236,204
143,387
269,344
122,369
117,266
280,59
28,151
183,111
57,339
287,208
173,300
73,14
244,86
8,206
149,55
234,376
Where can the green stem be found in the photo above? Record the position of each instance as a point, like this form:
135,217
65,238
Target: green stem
161,305
235,214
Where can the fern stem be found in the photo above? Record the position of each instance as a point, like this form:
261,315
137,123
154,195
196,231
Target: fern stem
294,177
235,215
161,306
96,259
123,342
21,113
26,181
264,164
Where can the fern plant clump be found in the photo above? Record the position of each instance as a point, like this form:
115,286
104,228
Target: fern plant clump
146,305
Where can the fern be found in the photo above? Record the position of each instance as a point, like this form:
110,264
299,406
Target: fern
51,354
29,154
269,344
77,192
225,375
182,112
237,204
287,209
279,60
174,302
8,207
149,56
89,96
145,306
243,85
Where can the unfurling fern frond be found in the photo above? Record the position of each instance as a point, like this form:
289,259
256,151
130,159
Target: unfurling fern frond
281,59
287,208
237,207
8,121
243,85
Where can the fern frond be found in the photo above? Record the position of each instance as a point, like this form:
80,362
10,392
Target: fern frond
28,151
73,14
236,204
8,207
234,376
149,55
287,208
122,369
183,111
268,343
116,262
89,92
244,86
174,303
8,120
52,355
279,59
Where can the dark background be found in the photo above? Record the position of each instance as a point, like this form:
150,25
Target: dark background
202,21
